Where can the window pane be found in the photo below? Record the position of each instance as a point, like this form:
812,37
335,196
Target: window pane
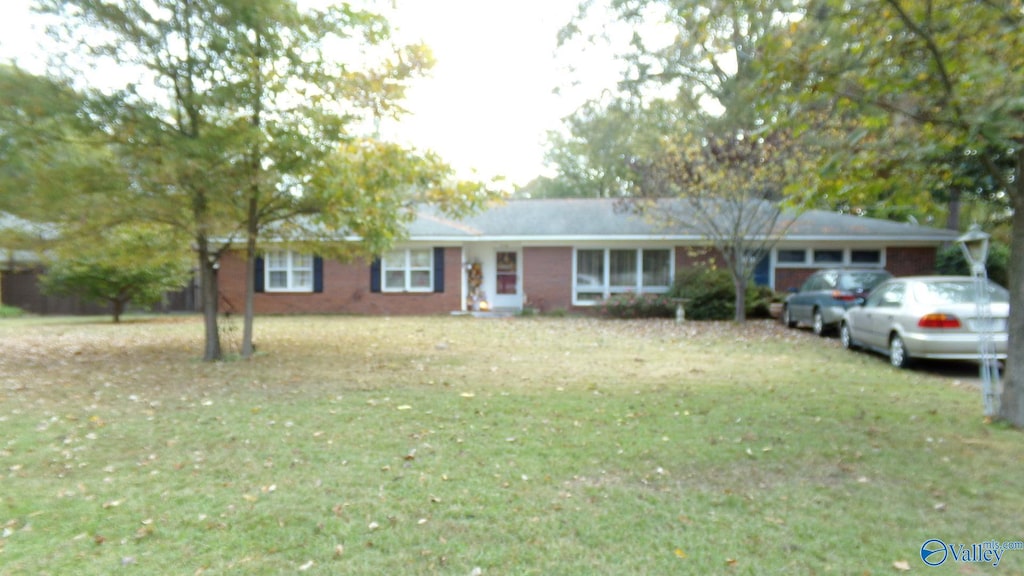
277,259
791,256
506,262
507,278
507,284
420,258
395,259
302,279
866,256
589,297
302,260
828,256
394,280
623,268
278,279
589,269
420,279
657,271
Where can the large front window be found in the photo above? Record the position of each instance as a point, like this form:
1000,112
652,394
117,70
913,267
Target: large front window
599,273
288,271
408,270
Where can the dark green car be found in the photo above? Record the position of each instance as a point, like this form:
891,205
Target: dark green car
826,294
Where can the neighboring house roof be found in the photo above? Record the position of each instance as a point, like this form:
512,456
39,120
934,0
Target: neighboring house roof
18,228
597,219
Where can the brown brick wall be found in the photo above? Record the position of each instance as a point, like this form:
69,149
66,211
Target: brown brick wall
786,278
547,278
346,290
910,261
547,283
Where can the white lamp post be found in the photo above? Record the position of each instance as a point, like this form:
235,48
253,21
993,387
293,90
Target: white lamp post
974,245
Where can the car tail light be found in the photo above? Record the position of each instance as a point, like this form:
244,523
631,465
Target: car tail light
844,296
938,321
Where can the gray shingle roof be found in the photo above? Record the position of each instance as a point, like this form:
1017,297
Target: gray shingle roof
578,219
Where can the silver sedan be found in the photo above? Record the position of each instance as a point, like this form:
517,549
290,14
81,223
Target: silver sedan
931,317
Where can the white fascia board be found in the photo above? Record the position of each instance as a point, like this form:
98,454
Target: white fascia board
548,240
688,238
863,239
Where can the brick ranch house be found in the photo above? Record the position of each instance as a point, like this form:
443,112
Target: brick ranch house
550,255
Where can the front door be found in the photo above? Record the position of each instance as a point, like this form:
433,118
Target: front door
507,280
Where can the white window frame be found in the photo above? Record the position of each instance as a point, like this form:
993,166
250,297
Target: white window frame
291,266
846,262
407,270
606,289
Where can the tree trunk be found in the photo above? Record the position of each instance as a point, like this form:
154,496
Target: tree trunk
118,310
953,217
1011,406
250,279
209,295
252,218
739,282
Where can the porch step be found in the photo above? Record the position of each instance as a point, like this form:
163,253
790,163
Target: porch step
494,313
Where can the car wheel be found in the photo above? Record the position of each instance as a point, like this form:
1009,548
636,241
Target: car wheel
787,319
898,352
818,323
845,337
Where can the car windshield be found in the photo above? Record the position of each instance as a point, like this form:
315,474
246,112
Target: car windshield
955,292
865,280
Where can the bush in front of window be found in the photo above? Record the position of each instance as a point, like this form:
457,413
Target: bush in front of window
708,291
632,305
710,295
759,301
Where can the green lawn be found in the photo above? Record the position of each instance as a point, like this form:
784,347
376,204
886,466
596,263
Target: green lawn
516,446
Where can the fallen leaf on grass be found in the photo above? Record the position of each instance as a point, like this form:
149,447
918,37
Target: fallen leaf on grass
679,552
901,565
306,566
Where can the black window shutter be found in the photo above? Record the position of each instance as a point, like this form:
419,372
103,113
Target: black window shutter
259,275
438,269
318,274
375,275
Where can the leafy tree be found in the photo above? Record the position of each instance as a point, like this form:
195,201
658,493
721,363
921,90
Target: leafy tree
927,80
128,264
593,152
283,94
52,167
702,52
728,189
687,66
236,105
719,159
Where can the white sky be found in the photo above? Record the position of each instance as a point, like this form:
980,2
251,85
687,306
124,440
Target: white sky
488,103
